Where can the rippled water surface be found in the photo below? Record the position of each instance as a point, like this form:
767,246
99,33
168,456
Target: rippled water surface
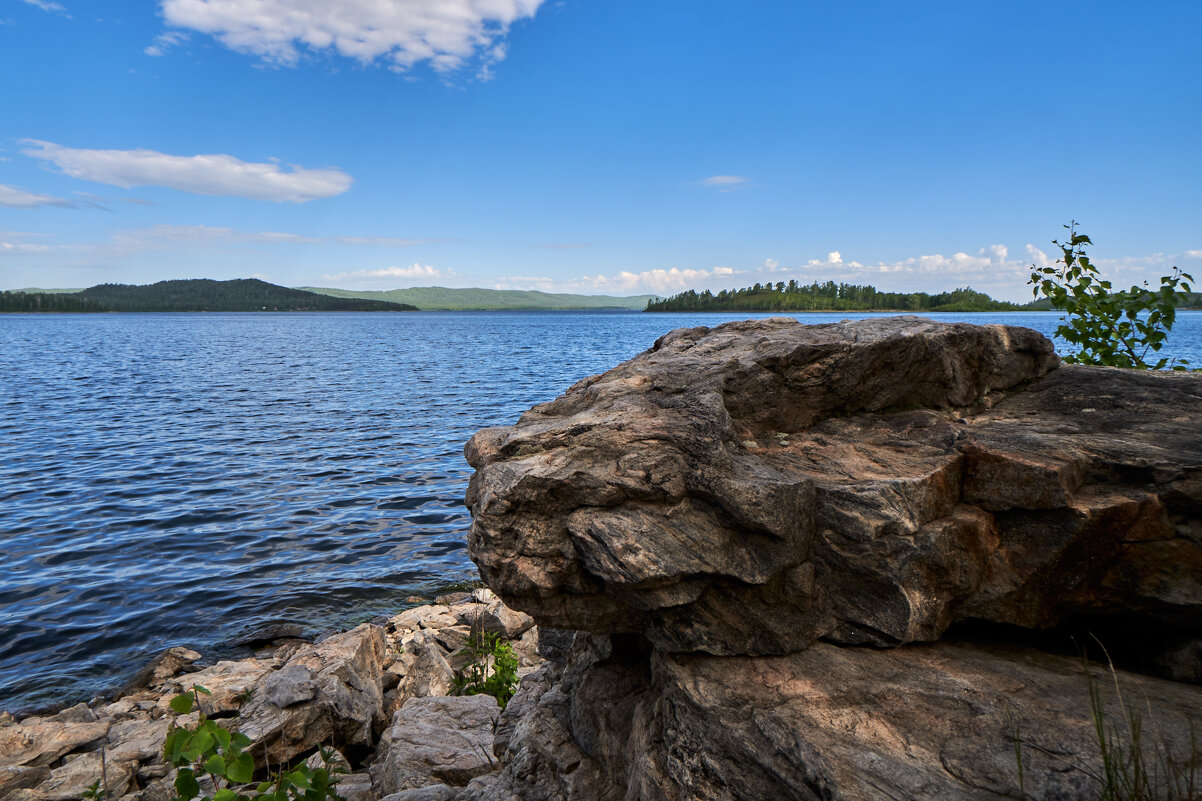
176,479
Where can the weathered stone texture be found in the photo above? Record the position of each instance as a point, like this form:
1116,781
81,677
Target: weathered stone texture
755,487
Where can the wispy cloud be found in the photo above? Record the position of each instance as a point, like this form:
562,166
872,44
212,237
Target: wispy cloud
47,5
724,183
659,280
127,242
164,42
159,236
14,197
10,243
214,174
387,241
447,34
422,272
542,283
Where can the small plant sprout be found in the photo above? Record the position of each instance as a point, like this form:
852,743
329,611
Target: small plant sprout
492,668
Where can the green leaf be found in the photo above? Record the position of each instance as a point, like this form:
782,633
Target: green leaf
182,704
186,784
240,740
222,736
225,794
215,765
241,770
200,689
202,742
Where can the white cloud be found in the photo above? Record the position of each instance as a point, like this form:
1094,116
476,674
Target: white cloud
659,280
414,271
448,34
46,5
724,183
1037,256
14,197
214,174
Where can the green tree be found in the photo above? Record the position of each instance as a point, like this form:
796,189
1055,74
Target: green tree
1114,329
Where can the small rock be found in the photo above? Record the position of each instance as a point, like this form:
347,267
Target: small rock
356,787
433,740
431,792
164,666
289,685
423,617
269,633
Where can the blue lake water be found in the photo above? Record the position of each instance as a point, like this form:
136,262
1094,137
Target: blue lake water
181,479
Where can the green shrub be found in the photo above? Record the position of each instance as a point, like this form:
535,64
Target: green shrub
493,669
1109,328
211,751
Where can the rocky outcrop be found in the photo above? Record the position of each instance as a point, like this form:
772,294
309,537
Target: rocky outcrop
373,693
734,514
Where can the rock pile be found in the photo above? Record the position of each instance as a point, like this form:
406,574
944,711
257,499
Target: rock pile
377,694
741,518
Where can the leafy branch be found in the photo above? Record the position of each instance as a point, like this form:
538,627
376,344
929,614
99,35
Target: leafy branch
1111,328
223,760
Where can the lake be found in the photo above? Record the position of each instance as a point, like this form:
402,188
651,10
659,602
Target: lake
183,479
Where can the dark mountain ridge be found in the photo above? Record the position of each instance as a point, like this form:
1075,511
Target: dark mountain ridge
192,295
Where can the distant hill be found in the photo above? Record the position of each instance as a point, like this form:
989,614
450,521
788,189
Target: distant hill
198,294
438,298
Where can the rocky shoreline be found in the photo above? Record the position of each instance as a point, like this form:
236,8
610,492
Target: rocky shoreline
291,697
763,560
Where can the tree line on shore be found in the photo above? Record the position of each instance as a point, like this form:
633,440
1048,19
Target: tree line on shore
829,296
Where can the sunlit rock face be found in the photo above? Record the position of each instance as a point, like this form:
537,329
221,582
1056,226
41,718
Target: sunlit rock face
728,518
751,488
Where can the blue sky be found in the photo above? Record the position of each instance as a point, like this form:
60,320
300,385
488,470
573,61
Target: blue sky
599,146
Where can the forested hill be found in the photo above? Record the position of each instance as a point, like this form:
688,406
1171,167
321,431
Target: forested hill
198,294
439,298
828,297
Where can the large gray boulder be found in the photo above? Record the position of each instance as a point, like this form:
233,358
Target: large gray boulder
755,487
730,518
